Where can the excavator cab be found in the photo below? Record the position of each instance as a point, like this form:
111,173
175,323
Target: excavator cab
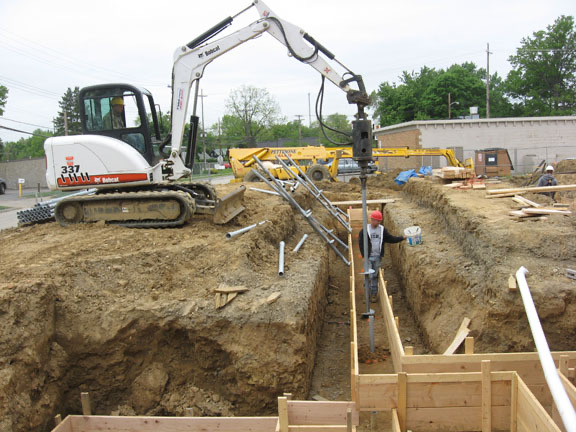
134,121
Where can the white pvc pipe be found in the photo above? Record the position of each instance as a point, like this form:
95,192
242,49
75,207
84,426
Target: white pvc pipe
300,243
559,395
281,259
264,190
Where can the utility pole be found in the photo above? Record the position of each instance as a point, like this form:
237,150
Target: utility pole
299,127
488,80
309,113
202,96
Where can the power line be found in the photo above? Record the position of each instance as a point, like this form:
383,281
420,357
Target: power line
21,122
24,132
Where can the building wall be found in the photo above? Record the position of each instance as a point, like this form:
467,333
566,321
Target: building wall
528,140
33,171
406,138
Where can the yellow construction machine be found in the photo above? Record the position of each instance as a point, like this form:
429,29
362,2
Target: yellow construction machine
318,162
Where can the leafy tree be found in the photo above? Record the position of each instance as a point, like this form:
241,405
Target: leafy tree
69,104
336,123
424,95
543,79
250,112
3,98
26,148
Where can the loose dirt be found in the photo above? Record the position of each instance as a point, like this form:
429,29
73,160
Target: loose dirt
130,316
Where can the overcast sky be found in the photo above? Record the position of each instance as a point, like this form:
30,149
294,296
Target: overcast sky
47,47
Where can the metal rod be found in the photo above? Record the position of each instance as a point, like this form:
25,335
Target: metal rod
231,234
363,178
281,259
264,190
559,395
274,185
300,243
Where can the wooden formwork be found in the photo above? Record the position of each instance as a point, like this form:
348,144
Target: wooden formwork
461,392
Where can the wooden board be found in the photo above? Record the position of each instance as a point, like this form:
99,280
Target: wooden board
171,424
531,416
320,413
461,334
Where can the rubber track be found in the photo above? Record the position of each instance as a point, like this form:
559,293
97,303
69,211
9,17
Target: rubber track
188,206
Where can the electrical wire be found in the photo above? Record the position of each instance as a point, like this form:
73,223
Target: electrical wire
323,126
21,122
24,132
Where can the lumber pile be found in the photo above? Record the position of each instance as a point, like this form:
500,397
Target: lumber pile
533,209
454,173
224,294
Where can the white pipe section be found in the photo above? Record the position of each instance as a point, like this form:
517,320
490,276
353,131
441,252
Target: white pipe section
264,190
231,234
565,408
300,243
281,260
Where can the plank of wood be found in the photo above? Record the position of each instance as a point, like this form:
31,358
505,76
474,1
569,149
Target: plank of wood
224,289
359,202
486,397
321,413
172,424
402,396
283,413
514,191
531,413
231,297
545,211
273,297
459,338
526,201
85,398
469,345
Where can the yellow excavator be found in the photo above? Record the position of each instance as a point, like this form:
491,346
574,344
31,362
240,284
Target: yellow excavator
318,162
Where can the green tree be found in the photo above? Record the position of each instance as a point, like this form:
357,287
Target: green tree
3,98
543,79
424,95
25,148
254,110
338,131
69,105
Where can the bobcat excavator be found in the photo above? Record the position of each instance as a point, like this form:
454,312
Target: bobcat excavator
137,182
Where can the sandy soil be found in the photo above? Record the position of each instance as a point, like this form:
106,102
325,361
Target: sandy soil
130,315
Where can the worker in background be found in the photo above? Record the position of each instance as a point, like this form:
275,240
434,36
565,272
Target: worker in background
548,180
115,118
377,236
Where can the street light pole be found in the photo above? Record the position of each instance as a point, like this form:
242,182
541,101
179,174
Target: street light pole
450,106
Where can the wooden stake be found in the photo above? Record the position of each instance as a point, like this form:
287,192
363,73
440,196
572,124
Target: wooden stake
349,420
514,403
469,345
402,392
283,413
409,350
486,397
390,300
397,321
563,364
85,398
512,286
57,419
189,412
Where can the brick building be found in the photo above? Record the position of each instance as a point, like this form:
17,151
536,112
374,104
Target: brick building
529,140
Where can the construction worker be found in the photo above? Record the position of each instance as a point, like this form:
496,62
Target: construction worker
377,236
548,180
115,118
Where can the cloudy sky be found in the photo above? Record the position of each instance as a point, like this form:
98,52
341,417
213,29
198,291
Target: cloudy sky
47,47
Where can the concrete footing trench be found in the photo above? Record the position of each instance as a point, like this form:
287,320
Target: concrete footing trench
139,319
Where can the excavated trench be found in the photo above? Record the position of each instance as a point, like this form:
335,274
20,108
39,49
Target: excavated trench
129,315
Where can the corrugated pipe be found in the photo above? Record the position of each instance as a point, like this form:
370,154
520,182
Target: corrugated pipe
231,234
559,395
300,243
281,260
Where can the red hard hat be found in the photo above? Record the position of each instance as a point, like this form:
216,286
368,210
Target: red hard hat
376,215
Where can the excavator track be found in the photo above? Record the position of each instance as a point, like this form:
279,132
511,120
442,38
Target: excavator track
139,209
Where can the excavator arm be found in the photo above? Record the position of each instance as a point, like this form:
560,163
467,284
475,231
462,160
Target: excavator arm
190,61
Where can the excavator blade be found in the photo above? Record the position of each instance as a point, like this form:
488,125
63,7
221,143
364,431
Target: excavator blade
229,206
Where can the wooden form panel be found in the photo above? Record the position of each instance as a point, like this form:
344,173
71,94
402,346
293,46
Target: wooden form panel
530,414
396,348
320,413
172,424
